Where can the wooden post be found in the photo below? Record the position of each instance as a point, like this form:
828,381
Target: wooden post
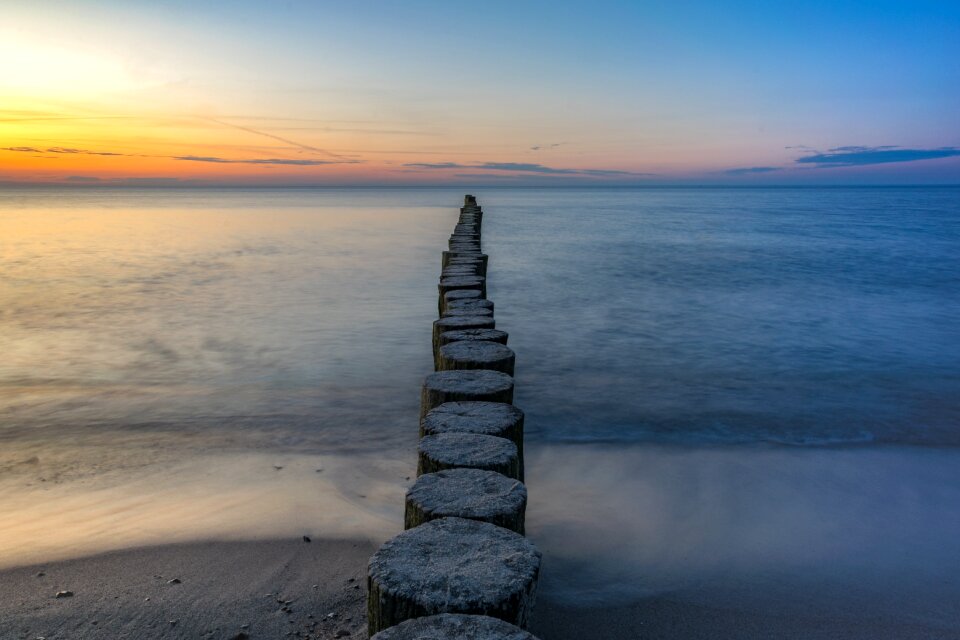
452,565
452,625
467,451
476,354
467,493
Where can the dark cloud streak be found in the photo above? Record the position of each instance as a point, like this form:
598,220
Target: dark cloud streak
744,171
281,161
188,158
523,167
853,156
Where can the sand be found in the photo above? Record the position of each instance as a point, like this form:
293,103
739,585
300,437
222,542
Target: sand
229,588
266,589
675,619
645,543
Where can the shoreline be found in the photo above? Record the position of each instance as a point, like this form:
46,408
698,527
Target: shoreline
232,588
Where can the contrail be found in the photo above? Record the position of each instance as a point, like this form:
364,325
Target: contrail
305,147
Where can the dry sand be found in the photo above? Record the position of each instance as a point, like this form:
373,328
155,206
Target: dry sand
266,589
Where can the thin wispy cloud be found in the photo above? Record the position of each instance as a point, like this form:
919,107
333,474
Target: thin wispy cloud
281,161
852,156
542,147
746,171
85,152
293,143
64,150
301,162
522,167
436,165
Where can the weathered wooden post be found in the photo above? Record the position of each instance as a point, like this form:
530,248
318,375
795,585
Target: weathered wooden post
484,418
467,451
467,493
454,386
463,568
476,354
458,323
452,565
448,626
493,335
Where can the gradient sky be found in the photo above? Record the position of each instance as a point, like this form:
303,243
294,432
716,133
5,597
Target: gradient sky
129,92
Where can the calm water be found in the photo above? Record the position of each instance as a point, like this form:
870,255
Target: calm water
692,363
800,316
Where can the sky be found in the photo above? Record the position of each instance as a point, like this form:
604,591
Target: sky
443,93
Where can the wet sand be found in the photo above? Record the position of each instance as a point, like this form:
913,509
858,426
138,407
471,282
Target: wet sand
266,589
675,619
291,588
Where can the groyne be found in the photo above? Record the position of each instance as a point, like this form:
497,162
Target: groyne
462,567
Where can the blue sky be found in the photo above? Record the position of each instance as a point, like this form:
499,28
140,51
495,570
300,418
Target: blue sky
442,92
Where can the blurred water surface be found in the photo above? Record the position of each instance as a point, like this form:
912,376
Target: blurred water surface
680,315
695,365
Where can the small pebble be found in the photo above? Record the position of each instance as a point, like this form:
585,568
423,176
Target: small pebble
277,467
64,594
41,574
306,538
174,581
341,633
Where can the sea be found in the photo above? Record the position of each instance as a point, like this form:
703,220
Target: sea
741,397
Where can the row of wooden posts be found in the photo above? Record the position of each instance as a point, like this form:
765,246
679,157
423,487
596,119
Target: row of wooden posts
463,567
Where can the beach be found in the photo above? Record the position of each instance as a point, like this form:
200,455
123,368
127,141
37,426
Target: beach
825,544
726,435
284,588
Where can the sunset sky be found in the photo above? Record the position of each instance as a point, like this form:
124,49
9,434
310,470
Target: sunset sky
326,93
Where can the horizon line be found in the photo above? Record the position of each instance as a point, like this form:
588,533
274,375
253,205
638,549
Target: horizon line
647,185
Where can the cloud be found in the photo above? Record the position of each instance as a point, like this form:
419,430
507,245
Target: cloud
489,176
541,147
294,143
743,171
67,150
523,167
156,182
83,152
190,158
851,156
437,165
82,179
284,161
